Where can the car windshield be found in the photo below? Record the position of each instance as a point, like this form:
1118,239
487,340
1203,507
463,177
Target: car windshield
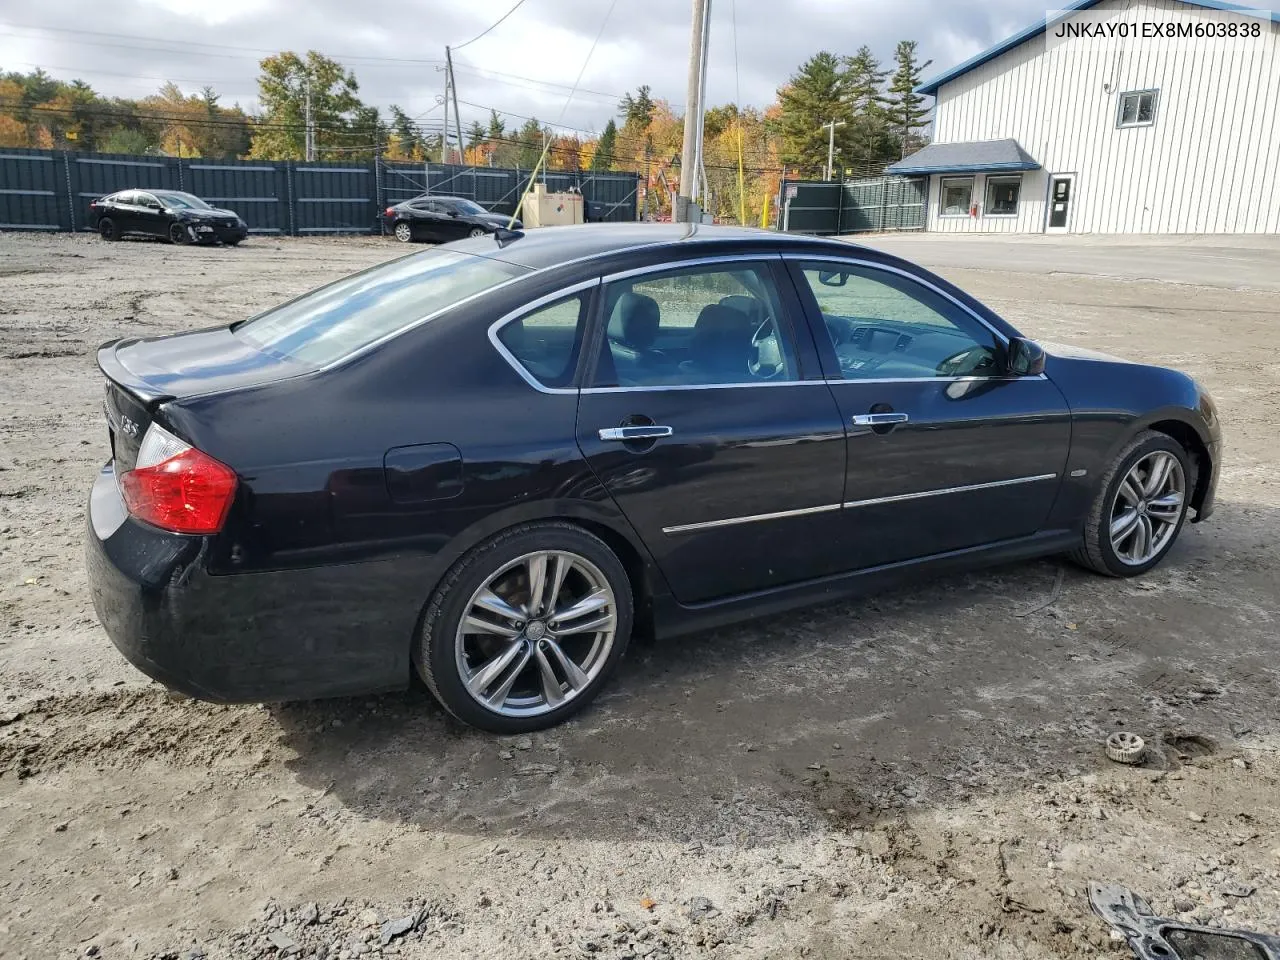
337,320
184,200
468,206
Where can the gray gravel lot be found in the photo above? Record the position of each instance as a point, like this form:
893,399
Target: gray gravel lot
920,774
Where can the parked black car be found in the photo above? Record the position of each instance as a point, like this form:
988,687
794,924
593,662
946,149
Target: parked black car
442,219
493,462
178,217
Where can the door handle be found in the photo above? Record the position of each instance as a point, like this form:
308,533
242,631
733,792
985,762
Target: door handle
628,434
878,419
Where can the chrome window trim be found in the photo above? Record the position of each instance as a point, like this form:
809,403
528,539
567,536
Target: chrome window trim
966,488
852,504
524,310
683,264
873,265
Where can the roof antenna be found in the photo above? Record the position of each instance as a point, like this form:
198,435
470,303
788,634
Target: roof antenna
505,236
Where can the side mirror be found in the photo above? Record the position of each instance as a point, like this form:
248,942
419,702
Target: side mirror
1026,358
832,278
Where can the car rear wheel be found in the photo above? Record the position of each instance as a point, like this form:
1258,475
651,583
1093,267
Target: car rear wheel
526,628
403,232
178,233
1140,508
477,232
108,229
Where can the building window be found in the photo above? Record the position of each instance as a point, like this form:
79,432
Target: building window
957,196
1002,196
1137,108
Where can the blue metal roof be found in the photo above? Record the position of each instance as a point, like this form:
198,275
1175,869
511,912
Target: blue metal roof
976,156
1039,27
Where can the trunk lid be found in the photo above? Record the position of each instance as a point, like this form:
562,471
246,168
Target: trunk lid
144,374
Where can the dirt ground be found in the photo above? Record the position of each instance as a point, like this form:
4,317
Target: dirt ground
918,775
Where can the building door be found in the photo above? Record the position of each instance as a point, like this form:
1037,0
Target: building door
1061,187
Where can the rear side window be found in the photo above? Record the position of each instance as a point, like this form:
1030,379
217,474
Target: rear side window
334,322
547,342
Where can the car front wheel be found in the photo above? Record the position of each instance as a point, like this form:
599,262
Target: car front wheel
179,233
1140,508
526,628
403,232
477,232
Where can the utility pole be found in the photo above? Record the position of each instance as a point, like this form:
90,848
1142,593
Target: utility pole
457,116
693,111
309,150
831,143
444,136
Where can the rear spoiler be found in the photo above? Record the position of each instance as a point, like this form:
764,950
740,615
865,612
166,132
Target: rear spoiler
122,376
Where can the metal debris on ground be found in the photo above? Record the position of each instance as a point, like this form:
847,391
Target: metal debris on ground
1157,938
1125,747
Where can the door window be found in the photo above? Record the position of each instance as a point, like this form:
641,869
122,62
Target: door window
546,342
886,326
718,324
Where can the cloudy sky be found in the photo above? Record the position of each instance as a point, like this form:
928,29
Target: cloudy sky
523,67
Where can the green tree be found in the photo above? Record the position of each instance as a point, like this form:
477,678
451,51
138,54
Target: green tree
871,142
907,113
637,111
606,148
124,140
497,127
530,143
818,93
283,89
475,134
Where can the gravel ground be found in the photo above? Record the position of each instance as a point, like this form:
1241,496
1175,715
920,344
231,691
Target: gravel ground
920,774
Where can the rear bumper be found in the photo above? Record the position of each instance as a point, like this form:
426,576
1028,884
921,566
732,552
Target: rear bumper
242,638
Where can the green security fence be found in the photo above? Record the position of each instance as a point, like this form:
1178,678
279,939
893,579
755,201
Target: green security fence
875,204
52,189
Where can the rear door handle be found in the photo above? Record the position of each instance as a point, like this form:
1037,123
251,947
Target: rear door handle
878,419
627,434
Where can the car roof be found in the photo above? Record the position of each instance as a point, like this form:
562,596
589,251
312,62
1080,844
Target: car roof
552,246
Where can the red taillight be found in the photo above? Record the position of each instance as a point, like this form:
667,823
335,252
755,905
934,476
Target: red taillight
176,487
390,211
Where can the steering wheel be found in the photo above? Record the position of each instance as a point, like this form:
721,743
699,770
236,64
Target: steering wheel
765,360
968,361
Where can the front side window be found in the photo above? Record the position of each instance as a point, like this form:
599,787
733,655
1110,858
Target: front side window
1137,108
1002,196
335,321
717,324
183,201
883,325
957,196
546,342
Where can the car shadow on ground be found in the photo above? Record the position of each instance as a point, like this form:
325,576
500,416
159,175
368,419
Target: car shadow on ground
845,713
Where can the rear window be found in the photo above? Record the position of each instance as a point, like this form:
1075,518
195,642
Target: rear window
335,321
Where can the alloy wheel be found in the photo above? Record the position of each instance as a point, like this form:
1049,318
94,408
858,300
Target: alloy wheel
404,232
1147,508
476,232
536,633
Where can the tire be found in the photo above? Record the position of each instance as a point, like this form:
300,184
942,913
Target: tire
233,242
1157,519
447,655
178,234
403,231
108,229
477,232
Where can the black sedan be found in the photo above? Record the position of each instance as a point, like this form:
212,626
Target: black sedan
492,462
442,219
178,217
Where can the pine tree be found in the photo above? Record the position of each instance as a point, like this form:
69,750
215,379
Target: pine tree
497,127
907,115
606,148
872,143
818,93
475,134
529,149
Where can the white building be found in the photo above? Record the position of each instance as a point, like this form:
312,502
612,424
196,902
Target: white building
1135,126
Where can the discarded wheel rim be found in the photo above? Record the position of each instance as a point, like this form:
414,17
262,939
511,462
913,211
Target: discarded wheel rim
1124,747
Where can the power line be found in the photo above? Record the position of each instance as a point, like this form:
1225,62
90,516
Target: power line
519,4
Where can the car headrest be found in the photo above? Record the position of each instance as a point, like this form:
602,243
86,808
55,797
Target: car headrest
635,320
721,338
743,304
